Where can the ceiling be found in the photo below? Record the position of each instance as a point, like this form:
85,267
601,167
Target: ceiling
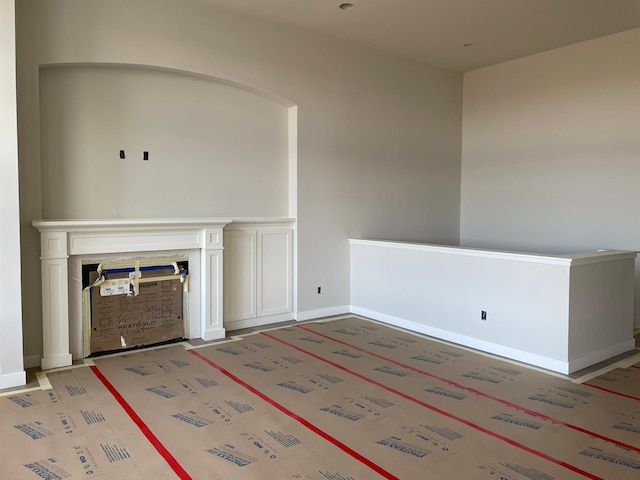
436,31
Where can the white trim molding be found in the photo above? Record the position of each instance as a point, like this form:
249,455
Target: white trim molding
322,312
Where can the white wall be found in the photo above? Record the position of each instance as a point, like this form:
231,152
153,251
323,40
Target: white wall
562,313
378,136
11,366
551,149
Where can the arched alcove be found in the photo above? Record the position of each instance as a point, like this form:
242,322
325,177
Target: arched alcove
215,148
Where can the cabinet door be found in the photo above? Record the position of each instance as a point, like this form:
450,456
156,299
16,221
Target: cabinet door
239,275
275,271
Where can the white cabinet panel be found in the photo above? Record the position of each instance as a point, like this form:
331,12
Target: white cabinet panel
240,274
258,274
274,271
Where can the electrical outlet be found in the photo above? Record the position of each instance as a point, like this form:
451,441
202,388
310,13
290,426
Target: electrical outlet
145,156
122,154
483,315
319,290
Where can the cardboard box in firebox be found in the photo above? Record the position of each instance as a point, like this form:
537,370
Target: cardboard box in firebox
134,303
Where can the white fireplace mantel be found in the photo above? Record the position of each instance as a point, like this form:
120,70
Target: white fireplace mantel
63,239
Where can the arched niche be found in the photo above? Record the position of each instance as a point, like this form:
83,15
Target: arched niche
215,148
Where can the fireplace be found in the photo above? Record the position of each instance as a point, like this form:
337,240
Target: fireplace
66,244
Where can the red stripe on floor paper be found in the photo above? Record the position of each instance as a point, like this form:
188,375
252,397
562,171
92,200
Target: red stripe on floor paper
433,408
478,392
620,394
299,419
157,444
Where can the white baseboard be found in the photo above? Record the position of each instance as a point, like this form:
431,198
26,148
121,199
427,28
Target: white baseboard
547,363
257,322
32,361
323,312
10,380
599,356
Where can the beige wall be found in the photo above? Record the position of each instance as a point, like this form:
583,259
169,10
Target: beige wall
378,136
551,150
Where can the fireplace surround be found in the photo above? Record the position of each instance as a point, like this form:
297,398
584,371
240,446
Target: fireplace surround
66,243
